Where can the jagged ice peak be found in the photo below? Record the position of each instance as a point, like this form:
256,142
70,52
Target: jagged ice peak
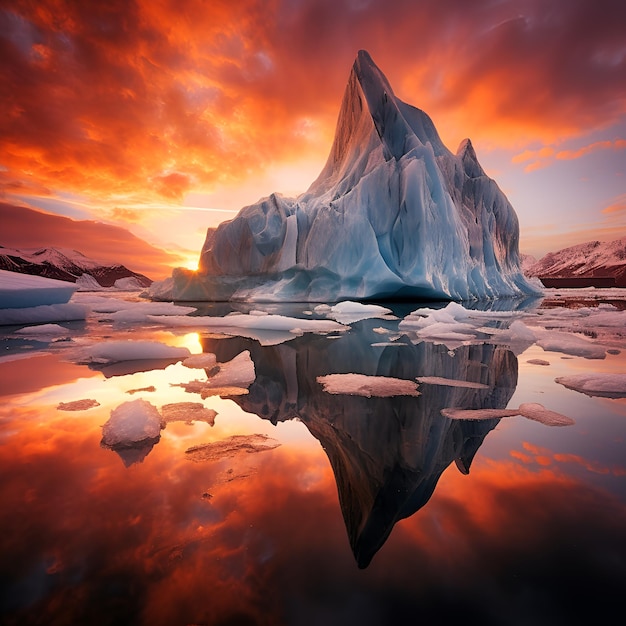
393,214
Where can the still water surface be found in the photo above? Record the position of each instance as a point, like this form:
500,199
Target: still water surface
370,511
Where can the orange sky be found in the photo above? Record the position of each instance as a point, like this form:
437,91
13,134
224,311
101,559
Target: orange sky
166,117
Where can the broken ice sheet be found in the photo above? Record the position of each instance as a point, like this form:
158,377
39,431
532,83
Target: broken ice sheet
188,412
530,410
230,447
601,385
77,405
368,386
226,379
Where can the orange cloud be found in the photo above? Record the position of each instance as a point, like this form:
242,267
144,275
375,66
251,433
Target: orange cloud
618,144
102,98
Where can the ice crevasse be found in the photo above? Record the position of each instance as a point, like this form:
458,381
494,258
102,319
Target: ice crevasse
393,214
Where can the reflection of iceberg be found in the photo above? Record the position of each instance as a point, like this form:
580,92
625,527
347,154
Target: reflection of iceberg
387,453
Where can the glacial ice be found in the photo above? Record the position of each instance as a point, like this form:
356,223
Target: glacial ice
393,214
529,410
44,313
23,290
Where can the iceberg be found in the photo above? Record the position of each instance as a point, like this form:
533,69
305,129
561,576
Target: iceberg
393,214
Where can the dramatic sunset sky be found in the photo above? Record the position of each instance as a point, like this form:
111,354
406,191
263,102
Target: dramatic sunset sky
164,117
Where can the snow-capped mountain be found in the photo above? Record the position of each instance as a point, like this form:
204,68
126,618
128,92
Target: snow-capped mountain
590,260
70,265
393,214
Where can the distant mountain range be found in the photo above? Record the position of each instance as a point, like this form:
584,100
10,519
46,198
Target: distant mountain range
72,266
591,264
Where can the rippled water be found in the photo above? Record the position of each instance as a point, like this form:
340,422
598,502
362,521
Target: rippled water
372,510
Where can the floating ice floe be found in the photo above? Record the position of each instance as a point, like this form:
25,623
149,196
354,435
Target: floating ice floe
368,386
68,312
570,343
132,423
188,412
603,385
116,351
230,447
48,331
77,405
538,362
350,312
225,379
206,360
530,410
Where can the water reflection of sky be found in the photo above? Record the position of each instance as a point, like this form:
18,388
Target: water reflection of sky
534,534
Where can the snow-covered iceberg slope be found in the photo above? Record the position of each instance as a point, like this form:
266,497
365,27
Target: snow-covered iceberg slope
393,214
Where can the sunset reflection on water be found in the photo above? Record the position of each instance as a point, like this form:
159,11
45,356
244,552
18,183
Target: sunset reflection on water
535,530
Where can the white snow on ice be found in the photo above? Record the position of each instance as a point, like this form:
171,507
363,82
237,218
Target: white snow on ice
23,290
131,423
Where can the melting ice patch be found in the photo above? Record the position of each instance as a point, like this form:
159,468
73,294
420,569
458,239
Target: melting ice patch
368,386
603,385
48,331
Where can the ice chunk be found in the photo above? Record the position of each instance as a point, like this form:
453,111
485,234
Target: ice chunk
350,312
206,360
368,386
449,382
44,330
530,410
132,423
117,351
77,405
230,447
478,414
596,384
23,290
225,379
539,413
538,362
188,412
567,343
45,313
